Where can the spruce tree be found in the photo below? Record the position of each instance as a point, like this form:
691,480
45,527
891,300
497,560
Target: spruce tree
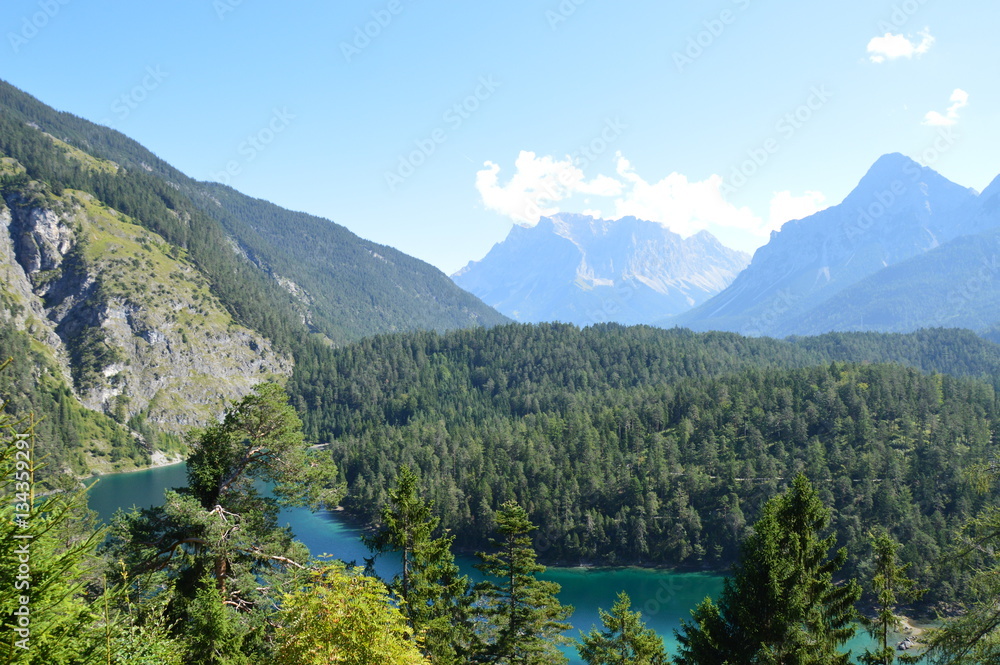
889,583
522,620
625,639
434,597
53,613
781,604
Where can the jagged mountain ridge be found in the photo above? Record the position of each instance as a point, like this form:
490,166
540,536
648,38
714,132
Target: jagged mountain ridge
577,269
899,210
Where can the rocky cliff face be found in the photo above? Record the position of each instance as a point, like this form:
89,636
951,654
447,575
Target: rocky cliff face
131,323
20,305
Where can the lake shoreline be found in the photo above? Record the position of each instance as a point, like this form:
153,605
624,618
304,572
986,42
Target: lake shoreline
158,462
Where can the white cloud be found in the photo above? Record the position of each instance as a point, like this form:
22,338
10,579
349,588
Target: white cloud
786,207
601,186
681,205
537,183
893,47
959,100
540,184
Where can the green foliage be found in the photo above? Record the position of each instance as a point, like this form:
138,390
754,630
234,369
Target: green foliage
432,594
54,614
522,620
42,579
889,585
625,639
136,634
343,617
973,637
91,353
215,632
260,439
781,604
645,446
214,547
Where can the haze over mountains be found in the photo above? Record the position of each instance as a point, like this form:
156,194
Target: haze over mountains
892,257
577,269
906,249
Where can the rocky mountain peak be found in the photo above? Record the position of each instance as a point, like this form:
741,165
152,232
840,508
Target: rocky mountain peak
579,269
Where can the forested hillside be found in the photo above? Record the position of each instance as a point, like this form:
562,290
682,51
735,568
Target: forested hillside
637,445
347,287
289,268
154,297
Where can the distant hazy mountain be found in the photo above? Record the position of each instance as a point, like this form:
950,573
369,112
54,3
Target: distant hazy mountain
581,270
801,280
956,285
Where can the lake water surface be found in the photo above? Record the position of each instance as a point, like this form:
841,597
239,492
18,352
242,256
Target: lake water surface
664,598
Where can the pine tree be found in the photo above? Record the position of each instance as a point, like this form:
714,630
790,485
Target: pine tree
434,596
523,621
888,583
781,604
221,528
625,639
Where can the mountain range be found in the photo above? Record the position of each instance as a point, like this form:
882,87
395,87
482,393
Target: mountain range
906,249
577,269
136,301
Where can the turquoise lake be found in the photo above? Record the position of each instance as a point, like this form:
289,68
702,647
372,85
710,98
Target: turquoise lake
664,598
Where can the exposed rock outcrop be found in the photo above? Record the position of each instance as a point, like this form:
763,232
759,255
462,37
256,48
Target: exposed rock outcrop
134,328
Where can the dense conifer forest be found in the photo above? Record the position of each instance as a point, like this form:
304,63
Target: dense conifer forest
652,447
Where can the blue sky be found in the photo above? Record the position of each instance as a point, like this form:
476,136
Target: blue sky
433,126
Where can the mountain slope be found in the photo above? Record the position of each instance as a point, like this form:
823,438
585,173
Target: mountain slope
954,286
898,210
347,287
581,270
296,267
142,299
131,322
